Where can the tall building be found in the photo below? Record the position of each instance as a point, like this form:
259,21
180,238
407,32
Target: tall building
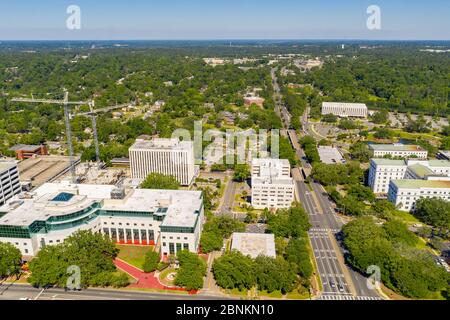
398,150
9,181
170,219
382,171
272,185
344,110
166,156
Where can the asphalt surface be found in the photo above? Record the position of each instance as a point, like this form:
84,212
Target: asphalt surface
26,292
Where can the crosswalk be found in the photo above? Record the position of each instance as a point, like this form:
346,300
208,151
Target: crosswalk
323,230
346,297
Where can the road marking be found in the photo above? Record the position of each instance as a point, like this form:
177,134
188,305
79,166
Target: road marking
39,294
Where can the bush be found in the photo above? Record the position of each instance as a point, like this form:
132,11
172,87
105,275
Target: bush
151,261
162,265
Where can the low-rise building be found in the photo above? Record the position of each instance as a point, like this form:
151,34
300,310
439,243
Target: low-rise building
405,193
382,171
254,244
330,155
272,185
345,110
25,151
9,181
171,219
398,150
248,101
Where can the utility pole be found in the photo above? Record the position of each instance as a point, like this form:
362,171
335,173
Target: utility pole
65,103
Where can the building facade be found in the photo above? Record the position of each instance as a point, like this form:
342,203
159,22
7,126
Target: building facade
165,156
272,185
398,150
169,219
405,193
344,110
382,171
9,181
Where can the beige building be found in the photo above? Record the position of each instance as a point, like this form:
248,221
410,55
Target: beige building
166,156
272,185
345,110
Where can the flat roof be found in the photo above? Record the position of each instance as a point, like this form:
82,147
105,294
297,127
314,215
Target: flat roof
389,162
344,105
25,147
421,184
181,205
159,143
330,155
420,170
395,147
6,165
254,244
439,163
271,171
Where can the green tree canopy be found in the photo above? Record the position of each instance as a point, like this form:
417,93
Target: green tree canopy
160,181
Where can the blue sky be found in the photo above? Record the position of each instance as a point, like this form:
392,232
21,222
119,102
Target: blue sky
224,19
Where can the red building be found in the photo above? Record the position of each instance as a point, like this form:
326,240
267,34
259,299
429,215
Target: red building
24,151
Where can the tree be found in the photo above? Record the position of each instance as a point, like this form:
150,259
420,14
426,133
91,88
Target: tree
160,181
92,252
191,272
380,117
216,229
151,261
445,143
361,193
433,211
360,151
241,172
397,231
383,133
234,270
274,274
211,241
286,223
10,260
329,118
297,252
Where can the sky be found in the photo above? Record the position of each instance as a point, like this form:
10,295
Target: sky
224,19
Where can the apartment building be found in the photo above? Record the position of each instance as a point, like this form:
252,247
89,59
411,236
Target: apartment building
9,181
272,185
166,156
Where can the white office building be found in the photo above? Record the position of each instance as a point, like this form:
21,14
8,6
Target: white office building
166,156
345,110
272,185
9,181
398,150
170,219
405,193
382,171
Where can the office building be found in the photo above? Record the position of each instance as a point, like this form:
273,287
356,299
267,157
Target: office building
166,156
345,110
9,181
272,185
170,219
398,150
405,193
382,171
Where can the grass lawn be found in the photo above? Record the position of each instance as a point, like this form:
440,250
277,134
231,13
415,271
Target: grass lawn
236,292
130,278
275,294
134,255
164,274
295,295
405,216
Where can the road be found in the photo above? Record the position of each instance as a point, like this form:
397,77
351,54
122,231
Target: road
19,291
325,225
226,206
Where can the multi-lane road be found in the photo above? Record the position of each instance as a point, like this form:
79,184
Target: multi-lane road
27,292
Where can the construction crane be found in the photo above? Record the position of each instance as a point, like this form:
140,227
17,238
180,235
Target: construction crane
66,103
93,114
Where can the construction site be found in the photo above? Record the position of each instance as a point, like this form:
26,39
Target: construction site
38,170
91,173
